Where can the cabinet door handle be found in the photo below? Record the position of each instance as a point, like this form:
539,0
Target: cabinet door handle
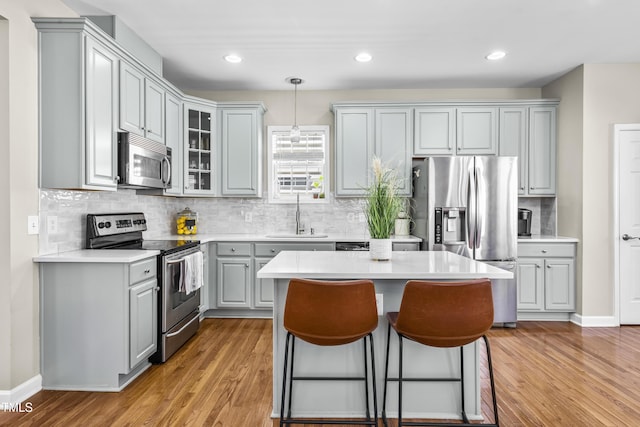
544,251
246,266
157,289
147,271
142,128
530,188
116,178
233,249
273,251
548,266
537,266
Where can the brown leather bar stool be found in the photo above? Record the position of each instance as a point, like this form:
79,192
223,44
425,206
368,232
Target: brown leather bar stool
329,313
441,314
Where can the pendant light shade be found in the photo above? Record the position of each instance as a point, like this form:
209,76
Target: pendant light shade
295,130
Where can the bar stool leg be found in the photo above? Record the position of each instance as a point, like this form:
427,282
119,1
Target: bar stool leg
386,378
464,413
400,380
284,378
373,377
366,378
493,386
293,350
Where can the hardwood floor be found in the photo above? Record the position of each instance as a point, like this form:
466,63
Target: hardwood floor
547,374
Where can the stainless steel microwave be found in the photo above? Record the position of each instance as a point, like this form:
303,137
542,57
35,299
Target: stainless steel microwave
143,163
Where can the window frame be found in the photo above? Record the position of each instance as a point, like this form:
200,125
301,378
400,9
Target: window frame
308,197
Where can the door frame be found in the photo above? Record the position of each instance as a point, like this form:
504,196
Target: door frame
616,130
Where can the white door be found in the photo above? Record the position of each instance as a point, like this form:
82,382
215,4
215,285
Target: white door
629,210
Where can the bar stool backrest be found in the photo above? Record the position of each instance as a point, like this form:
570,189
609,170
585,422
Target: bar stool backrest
445,314
330,312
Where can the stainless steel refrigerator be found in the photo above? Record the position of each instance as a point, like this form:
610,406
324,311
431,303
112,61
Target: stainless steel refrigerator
468,205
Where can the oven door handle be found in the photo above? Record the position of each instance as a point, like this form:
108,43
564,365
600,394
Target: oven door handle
183,328
176,261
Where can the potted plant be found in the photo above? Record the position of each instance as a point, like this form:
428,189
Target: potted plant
382,205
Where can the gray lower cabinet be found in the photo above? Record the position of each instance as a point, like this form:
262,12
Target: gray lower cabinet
78,76
546,277
98,323
234,290
234,275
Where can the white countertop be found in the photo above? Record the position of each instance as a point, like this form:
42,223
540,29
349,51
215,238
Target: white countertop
282,237
545,238
114,255
358,265
98,255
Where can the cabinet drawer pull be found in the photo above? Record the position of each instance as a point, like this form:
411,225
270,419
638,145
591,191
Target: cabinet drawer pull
544,251
548,266
273,250
147,271
233,249
537,266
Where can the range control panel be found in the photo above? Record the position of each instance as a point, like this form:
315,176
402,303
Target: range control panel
110,224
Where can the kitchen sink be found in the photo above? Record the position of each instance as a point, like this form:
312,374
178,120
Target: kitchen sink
296,236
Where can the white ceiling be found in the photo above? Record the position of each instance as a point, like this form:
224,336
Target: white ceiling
414,43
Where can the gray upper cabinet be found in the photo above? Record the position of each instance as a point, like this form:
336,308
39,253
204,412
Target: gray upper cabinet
393,141
173,140
78,76
240,158
542,151
362,133
477,131
354,149
449,130
141,104
435,131
530,134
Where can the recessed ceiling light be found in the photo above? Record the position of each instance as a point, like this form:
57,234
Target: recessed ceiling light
234,59
498,54
363,57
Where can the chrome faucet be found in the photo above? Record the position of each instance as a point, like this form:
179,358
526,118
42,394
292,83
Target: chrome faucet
299,226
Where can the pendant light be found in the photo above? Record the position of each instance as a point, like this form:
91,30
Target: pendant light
295,130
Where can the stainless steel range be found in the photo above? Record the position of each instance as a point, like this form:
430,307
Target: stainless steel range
178,309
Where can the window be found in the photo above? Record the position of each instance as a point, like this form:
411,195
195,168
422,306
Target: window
298,168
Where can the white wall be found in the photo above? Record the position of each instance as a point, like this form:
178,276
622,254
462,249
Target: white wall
594,97
569,89
19,350
611,95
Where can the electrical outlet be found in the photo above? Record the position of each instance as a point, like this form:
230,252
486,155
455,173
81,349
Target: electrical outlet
52,224
248,217
33,224
379,304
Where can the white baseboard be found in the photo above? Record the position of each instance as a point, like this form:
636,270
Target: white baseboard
594,321
22,392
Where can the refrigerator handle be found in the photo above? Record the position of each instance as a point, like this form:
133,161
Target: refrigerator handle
471,210
481,195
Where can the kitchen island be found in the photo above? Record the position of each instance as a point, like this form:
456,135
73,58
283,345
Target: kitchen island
344,400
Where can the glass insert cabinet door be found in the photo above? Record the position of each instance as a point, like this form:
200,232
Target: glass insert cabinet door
199,161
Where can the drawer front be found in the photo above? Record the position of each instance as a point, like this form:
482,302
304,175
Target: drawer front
546,250
142,270
273,249
234,249
408,246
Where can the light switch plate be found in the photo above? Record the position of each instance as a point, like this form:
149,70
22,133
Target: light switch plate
33,224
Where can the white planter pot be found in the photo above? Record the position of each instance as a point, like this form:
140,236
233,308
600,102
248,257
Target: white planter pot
380,249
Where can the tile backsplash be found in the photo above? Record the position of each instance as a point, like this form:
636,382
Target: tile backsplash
215,215
220,215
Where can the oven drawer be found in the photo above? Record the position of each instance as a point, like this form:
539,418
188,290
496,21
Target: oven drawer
235,249
142,270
